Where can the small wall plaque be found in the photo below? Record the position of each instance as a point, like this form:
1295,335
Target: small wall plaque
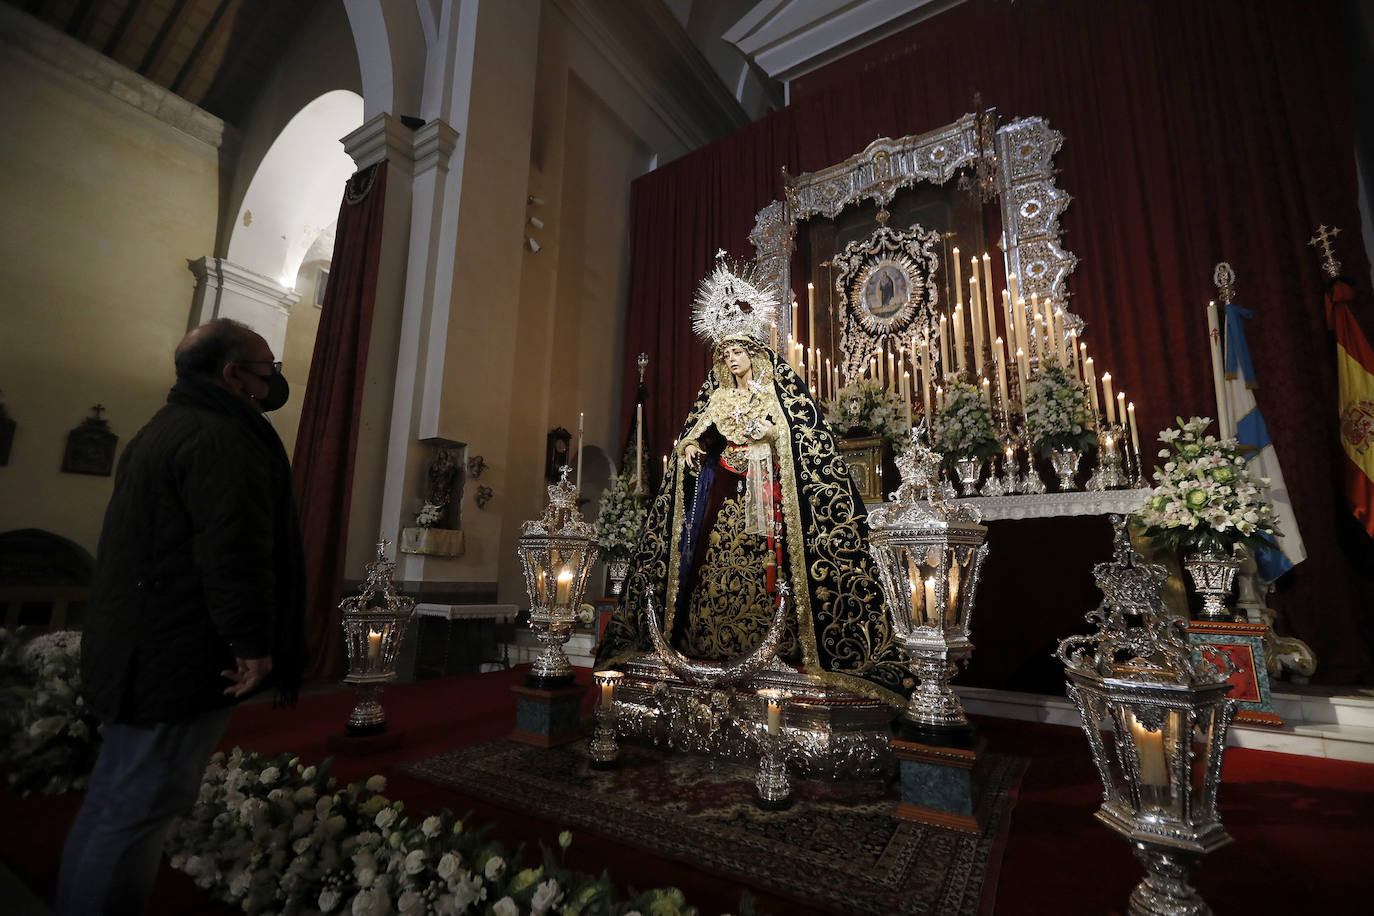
91,446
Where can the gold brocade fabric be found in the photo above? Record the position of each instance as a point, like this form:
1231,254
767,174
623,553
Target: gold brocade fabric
841,624
729,607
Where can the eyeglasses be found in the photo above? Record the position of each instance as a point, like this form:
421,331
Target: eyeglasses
274,363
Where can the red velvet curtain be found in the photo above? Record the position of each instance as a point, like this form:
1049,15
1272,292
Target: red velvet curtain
1194,133
328,436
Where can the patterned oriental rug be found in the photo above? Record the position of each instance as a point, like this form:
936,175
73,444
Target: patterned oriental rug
837,847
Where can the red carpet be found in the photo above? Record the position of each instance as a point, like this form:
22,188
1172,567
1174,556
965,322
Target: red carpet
1303,826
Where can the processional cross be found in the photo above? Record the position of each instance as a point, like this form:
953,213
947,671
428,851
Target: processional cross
1322,240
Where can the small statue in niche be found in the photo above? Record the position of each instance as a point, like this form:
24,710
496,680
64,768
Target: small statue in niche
444,498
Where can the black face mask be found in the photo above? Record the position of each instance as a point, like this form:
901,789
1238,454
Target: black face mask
277,391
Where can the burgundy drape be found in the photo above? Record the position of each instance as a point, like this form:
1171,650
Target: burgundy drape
1194,133
328,435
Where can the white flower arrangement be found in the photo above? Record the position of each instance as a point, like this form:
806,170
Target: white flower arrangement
963,426
1057,410
866,405
49,738
429,515
296,842
1205,499
619,519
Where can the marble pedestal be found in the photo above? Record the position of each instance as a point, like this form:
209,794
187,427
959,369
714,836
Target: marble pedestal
938,784
548,717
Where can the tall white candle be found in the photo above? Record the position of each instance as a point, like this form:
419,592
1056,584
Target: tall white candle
639,445
959,337
1224,426
811,314
1135,435
999,352
579,452
987,298
944,347
975,319
1090,379
1014,287
958,279
1121,407
906,395
1022,339
1107,397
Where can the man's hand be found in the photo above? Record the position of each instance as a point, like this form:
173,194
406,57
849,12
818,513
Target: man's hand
691,452
249,674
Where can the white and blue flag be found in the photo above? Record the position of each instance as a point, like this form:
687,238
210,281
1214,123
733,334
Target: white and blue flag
1287,550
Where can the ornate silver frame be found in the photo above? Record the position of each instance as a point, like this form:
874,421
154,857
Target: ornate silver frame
1031,202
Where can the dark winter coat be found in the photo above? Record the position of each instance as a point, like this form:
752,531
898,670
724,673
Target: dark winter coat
200,560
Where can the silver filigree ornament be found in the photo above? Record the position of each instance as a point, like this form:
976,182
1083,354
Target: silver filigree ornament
1155,713
557,552
929,552
374,624
735,302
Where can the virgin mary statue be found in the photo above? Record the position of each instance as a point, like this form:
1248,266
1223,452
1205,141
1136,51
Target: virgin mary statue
756,494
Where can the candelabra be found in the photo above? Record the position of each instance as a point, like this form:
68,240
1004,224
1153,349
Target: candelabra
602,745
1110,474
557,552
374,625
929,552
1156,714
775,790
1031,483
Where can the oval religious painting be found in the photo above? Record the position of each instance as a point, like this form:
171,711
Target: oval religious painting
886,291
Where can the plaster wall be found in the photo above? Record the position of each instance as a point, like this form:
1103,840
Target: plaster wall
104,207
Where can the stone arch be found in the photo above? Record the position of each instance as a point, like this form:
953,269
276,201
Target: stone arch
390,36
294,194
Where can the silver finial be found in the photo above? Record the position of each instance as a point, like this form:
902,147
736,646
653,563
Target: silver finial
1224,279
1330,266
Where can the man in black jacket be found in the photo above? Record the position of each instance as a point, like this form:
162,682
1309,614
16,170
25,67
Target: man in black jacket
198,602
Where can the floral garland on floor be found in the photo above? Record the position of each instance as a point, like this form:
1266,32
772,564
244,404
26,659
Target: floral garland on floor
1205,499
272,835
963,426
49,738
868,406
1057,411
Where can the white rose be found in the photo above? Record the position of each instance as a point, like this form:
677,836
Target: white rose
371,903
410,903
415,861
449,865
329,898
308,774
545,895
494,867
269,776
376,783
431,826
385,818
465,893
505,907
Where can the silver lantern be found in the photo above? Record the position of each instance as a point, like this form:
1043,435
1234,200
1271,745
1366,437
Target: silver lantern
557,552
1155,712
929,551
374,624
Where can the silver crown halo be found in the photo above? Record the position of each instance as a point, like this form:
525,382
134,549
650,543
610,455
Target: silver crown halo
735,301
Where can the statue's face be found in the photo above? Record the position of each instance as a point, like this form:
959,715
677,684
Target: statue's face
737,361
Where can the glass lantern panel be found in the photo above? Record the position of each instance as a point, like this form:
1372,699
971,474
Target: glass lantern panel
957,577
1107,734
1203,733
1151,747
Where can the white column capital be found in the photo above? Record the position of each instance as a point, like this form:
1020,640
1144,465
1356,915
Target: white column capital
434,144
382,139
226,290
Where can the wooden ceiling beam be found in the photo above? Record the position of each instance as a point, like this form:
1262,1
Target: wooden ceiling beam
126,16
173,23
193,60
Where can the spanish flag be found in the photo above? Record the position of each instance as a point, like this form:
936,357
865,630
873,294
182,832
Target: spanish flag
1355,375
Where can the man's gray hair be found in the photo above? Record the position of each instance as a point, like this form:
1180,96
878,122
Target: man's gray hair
207,349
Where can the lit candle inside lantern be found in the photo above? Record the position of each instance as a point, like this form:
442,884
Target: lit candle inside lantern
773,698
579,452
563,591
932,607
1107,397
1149,748
1135,436
374,648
